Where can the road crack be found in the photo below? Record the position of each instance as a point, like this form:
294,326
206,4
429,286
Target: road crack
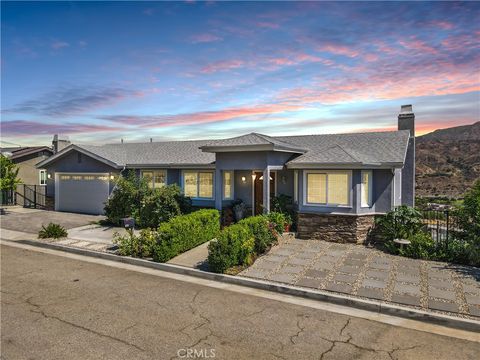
39,310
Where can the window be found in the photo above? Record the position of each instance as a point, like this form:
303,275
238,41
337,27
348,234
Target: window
42,175
366,189
198,184
155,178
227,185
328,188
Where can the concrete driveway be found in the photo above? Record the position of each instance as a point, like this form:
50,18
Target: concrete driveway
31,220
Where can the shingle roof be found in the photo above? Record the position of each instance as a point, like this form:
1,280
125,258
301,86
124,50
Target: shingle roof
154,153
24,151
375,148
251,140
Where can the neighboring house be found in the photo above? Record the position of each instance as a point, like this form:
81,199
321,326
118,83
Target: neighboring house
338,182
26,159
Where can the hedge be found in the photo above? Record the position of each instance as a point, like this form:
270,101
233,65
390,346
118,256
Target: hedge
262,232
234,246
185,232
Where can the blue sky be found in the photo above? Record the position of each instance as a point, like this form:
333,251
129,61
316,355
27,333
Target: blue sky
101,71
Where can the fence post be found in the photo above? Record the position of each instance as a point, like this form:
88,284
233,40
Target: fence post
34,196
448,220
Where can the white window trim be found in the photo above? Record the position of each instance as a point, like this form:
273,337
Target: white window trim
153,175
327,205
198,183
370,189
232,185
295,186
40,177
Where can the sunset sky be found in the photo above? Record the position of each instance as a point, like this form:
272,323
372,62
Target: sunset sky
101,71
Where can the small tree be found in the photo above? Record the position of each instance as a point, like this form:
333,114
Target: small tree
8,174
469,221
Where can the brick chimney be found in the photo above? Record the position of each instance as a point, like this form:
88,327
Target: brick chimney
59,143
406,121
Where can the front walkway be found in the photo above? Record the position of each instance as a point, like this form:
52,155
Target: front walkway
360,271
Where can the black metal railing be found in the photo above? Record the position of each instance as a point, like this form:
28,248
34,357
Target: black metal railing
31,196
442,223
7,197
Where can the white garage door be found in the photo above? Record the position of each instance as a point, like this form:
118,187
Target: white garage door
82,193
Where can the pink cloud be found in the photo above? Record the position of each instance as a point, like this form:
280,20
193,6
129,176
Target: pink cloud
339,50
204,38
418,45
222,66
444,25
203,117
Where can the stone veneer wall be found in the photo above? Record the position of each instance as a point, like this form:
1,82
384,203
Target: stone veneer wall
335,228
49,203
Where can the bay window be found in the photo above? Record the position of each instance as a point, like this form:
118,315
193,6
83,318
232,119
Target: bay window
227,185
198,184
155,178
366,189
329,188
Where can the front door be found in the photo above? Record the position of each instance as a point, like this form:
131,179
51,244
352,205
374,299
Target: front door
258,191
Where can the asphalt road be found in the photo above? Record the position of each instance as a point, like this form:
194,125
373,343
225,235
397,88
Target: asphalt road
55,307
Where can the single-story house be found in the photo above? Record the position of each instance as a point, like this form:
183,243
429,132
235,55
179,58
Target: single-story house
338,182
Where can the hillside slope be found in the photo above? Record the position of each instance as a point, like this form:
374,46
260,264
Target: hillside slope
448,161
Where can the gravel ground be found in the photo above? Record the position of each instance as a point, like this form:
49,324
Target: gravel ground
365,272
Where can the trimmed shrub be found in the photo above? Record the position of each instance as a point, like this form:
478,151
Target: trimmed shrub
185,232
126,197
160,205
137,246
264,236
54,231
278,220
234,246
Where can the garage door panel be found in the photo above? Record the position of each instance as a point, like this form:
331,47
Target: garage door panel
82,193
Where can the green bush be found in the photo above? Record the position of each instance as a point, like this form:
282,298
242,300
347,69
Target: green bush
160,205
185,232
421,246
278,220
401,223
126,197
133,245
234,246
263,234
131,197
469,223
52,230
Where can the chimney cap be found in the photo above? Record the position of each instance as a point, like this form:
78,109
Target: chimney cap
406,109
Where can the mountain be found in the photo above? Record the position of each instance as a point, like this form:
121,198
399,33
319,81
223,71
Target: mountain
448,161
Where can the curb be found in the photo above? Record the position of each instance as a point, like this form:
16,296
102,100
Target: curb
338,299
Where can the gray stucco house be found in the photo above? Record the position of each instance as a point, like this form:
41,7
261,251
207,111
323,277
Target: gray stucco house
339,182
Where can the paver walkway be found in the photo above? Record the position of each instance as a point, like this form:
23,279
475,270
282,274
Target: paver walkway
366,272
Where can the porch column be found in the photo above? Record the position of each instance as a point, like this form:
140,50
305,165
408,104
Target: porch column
266,190
217,188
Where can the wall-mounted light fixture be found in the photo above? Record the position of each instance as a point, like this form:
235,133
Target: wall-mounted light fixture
284,179
112,177
49,176
244,179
